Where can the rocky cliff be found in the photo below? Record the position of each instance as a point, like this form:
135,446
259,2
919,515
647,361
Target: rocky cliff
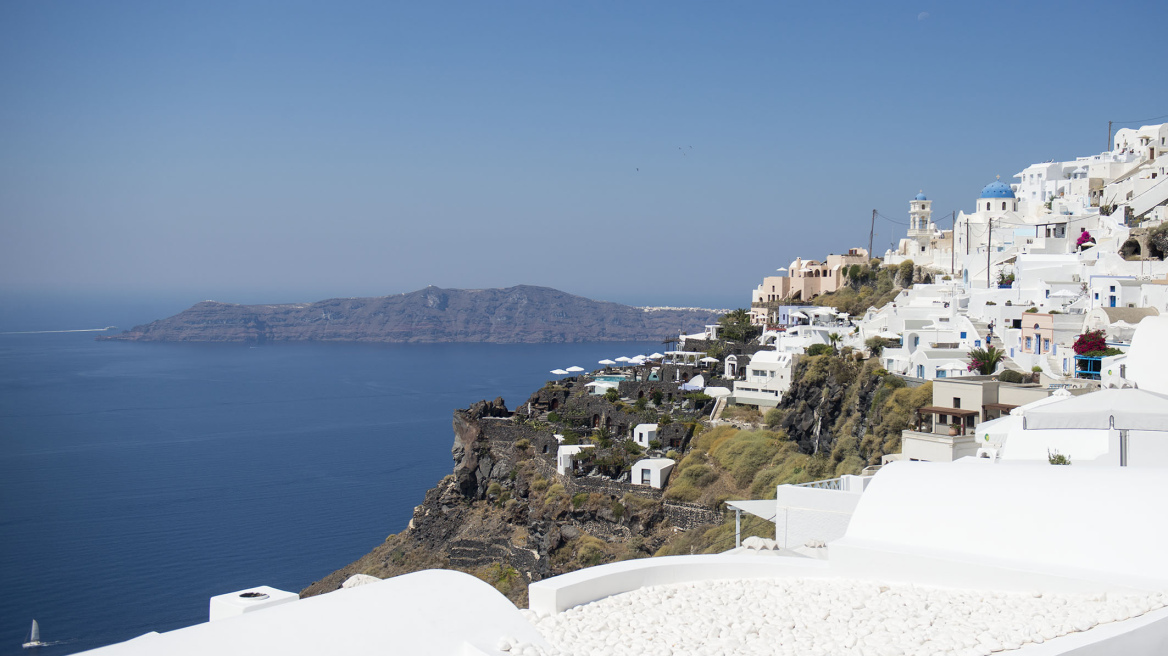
507,517
522,314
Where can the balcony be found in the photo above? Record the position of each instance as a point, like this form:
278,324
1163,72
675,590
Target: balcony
953,422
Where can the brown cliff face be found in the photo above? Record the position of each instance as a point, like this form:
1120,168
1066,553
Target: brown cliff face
521,314
505,516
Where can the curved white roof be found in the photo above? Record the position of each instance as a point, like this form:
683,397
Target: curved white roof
1147,359
1096,523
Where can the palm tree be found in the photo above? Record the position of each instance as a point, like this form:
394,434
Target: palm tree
834,338
736,325
985,360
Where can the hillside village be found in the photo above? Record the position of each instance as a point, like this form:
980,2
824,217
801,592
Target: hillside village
1028,335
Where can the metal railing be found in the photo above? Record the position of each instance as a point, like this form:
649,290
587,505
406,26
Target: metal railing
826,484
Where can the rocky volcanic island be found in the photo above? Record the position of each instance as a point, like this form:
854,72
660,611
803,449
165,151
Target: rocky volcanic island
521,314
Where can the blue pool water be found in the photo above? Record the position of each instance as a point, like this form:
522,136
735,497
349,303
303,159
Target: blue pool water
139,480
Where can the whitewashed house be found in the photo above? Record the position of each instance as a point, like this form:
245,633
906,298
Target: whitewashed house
768,377
644,433
653,472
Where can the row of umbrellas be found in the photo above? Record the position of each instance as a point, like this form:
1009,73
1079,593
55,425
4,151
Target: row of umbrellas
635,360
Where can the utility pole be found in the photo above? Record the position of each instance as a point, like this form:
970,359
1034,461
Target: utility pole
1109,135
871,233
953,246
989,243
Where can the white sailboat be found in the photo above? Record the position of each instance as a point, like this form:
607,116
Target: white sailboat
34,636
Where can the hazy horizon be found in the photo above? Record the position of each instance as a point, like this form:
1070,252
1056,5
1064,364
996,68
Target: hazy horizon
647,154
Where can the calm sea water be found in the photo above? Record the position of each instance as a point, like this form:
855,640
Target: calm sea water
139,480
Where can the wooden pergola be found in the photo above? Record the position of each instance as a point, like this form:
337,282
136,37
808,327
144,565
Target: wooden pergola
963,419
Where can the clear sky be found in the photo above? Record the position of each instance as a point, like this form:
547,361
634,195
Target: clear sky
641,152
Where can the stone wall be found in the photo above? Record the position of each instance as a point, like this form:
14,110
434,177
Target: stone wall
575,484
689,516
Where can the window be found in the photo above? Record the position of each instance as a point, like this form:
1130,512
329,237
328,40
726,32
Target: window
1097,296
1003,205
646,477
1028,343
1045,345
1113,288
956,403
963,334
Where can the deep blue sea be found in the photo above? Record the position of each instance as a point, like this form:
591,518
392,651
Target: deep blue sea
139,480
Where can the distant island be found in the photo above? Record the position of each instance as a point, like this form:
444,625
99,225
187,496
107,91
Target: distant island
520,314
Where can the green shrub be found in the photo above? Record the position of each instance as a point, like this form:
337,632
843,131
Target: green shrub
589,550
494,490
673,455
745,454
819,349
1032,310
1011,376
554,416
611,395
654,444
523,444
1056,458
657,396
774,418
1036,369
640,404
555,493
579,499
618,510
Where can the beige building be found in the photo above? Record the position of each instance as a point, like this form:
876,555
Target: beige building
805,280
946,430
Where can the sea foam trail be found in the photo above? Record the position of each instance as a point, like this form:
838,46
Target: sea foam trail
46,332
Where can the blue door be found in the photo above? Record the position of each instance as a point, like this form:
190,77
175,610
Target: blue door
920,371
1112,301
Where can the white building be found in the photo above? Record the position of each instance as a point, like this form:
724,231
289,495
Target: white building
768,377
565,460
653,472
644,433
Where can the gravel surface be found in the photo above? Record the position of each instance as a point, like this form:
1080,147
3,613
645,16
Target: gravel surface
811,617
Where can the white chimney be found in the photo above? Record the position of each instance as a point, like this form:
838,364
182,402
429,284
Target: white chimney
233,604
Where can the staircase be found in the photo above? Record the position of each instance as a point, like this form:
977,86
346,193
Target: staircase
1153,196
719,406
982,329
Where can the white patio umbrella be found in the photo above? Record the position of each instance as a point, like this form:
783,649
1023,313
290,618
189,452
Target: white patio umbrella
798,315
888,335
955,366
623,358
656,356
1120,409
606,362
559,372
709,360
1063,293
575,370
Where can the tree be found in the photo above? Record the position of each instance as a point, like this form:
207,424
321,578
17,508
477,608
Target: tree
985,360
904,273
876,345
834,338
611,395
736,325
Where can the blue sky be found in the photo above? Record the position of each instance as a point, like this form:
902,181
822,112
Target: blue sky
282,151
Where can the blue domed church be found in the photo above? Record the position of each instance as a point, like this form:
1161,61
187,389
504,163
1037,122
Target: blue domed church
991,226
